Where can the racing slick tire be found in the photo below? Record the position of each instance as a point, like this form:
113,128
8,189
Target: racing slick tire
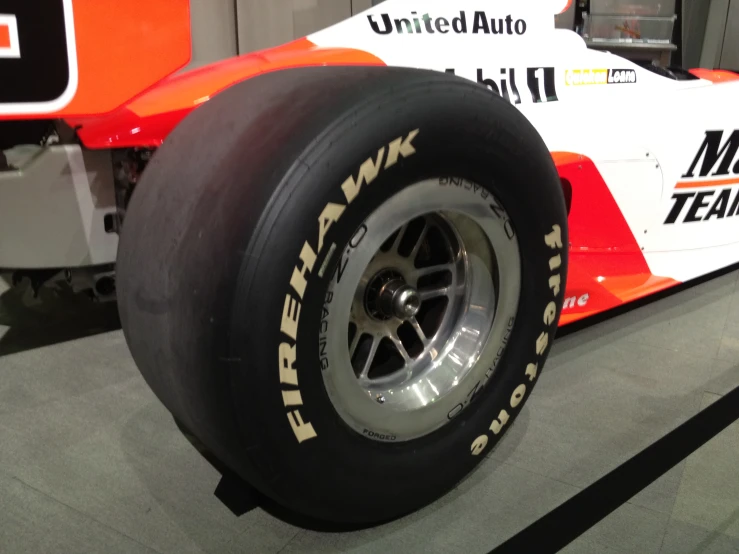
344,281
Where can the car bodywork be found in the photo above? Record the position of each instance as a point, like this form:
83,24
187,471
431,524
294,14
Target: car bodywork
648,161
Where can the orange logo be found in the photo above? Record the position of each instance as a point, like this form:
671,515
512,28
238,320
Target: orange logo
4,36
9,44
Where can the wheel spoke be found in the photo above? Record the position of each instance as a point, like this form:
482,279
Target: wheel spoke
401,348
419,242
431,270
354,344
435,292
399,238
370,358
419,331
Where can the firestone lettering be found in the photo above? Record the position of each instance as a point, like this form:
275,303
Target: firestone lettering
575,301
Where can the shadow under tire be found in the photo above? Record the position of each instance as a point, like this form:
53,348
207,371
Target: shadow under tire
266,213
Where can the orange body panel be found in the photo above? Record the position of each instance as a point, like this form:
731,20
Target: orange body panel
149,118
715,75
567,7
4,36
707,183
186,91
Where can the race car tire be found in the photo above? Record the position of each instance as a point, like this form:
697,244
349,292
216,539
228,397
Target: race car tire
250,249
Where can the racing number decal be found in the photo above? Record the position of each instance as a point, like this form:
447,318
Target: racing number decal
539,80
541,84
38,58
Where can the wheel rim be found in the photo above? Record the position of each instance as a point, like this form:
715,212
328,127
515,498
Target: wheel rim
419,312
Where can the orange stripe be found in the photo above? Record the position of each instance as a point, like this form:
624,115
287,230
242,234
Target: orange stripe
565,158
4,36
714,183
567,7
715,75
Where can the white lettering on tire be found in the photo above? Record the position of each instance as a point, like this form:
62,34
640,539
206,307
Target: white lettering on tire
400,147
479,444
554,241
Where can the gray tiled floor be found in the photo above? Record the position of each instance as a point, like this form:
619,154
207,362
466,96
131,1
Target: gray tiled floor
91,462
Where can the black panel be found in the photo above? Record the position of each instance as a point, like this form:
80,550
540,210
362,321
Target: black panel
42,72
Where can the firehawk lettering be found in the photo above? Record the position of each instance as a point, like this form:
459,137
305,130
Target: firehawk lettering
401,147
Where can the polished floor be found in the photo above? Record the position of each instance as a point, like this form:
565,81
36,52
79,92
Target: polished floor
91,462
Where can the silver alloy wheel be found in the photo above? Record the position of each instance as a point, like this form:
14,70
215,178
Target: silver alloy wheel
420,309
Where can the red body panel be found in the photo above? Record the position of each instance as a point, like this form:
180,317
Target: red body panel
150,117
607,267
715,75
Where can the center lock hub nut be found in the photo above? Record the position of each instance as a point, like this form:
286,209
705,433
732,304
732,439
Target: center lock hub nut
398,299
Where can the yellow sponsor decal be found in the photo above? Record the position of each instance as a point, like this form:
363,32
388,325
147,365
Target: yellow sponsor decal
583,77
579,77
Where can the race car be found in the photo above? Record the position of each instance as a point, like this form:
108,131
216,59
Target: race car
343,261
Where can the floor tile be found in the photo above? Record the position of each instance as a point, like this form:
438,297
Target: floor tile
690,322
91,462
729,346
630,529
733,301
33,523
708,496
114,453
685,538
600,400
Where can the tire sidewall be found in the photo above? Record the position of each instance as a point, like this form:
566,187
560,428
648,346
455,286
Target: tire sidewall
495,148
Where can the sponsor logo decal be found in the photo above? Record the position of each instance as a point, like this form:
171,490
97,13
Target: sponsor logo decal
475,23
9,44
572,302
540,83
554,241
708,189
387,156
38,57
703,205
584,77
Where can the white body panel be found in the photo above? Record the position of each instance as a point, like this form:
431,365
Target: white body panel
642,131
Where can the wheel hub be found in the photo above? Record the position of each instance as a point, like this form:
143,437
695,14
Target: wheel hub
388,296
419,315
403,299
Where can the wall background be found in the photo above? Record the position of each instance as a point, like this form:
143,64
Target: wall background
223,28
